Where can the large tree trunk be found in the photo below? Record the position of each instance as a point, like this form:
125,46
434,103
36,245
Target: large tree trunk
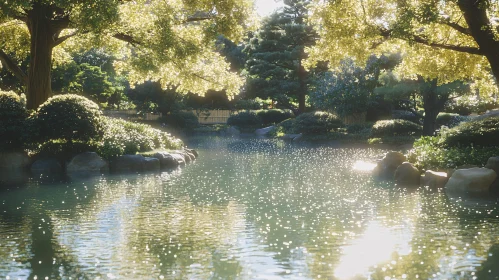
475,14
433,104
302,76
42,42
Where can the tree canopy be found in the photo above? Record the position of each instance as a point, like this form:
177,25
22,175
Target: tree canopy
443,40
168,41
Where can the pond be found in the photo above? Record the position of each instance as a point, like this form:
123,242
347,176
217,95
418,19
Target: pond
247,209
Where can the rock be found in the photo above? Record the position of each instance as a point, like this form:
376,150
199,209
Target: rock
407,174
88,162
46,166
465,166
472,180
187,158
298,138
191,155
385,169
179,158
493,163
192,151
14,160
290,137
434,179
151,164
232,131
264,131
127,163
166,160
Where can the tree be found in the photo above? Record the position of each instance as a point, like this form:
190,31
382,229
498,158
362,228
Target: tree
168,41
276,51
442,40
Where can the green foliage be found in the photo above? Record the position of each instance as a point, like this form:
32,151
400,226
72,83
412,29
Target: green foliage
466,105
273,116
69,117
406,115
13,116
484,132
182,120
124,137
395,128
430,153
450,120
245,119
316,122
361,128
248,104
284,127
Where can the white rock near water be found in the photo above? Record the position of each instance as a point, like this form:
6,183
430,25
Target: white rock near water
474,180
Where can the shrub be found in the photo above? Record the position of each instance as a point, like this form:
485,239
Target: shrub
363,128
248,104
316,122
69,117
428,153
182,120
245,119
13,116
274,116
450,119
484,132
124,137
406,115
395,128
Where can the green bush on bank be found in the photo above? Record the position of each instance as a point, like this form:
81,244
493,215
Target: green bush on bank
274,116
484,132
245,119
316,123
450,120
69,117
181,120
124,137
388,128
13,116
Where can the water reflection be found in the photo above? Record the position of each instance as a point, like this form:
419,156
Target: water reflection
247,209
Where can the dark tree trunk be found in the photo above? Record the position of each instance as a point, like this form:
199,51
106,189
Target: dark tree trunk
475,14
40,64
433,104
302,76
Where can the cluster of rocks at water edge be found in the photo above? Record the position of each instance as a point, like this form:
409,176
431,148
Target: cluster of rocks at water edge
468,179
92,163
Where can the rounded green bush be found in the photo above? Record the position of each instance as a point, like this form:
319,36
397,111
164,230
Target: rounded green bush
484,132
245,119
182,120
273,116
69,117
316,122
450,119
395,128
13,116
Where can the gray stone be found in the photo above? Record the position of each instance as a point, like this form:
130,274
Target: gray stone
434,179
264,131
88,162
127,163
179,158
474,180
385,169
493,163
46,166
166,160
232,131
298,138
290,137
407,174
185,155
14,160
151,164
192,151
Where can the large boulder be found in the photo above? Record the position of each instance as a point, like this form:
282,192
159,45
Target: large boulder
14,160
127,163
493,163
406,174
434,179
264,131
179,158
192,151
166,160
88,162
46,167
473,180
290,137
151,164
385,169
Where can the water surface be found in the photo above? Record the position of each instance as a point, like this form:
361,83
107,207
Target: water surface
247,209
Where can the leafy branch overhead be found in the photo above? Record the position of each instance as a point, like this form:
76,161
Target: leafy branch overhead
169,41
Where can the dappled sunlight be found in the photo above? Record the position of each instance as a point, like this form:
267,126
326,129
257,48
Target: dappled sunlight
361,165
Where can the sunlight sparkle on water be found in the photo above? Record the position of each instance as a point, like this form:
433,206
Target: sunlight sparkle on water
361,165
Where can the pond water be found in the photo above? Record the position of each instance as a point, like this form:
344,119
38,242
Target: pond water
247,209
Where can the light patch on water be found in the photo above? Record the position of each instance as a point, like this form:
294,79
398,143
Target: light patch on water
361,165
376,246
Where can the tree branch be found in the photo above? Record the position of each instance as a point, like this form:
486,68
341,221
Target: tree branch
455,26
61,39
127,38
465,49
12,66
